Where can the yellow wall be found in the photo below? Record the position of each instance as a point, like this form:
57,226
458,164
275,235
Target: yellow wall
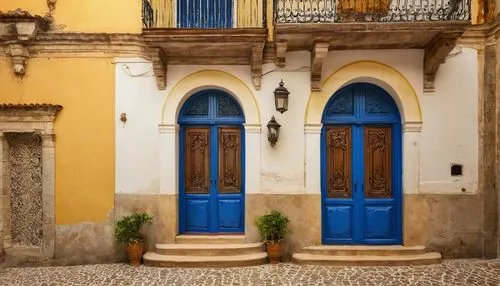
95,16
84,129
35,7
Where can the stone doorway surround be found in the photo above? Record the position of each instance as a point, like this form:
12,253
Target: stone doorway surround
404,96
37,119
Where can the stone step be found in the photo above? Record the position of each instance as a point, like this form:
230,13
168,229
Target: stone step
379,250
209,239
367,260
158,260
209,249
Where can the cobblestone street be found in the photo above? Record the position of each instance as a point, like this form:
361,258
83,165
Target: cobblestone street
451,272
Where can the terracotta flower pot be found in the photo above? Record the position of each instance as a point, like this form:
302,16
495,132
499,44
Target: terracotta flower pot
275,251
135,252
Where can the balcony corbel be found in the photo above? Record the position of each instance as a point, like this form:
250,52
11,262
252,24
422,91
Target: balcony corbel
256,64
435,55
281,48
318,55
18,30
159,66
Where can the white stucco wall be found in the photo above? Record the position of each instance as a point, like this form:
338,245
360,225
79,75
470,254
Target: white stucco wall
450,130
449,133
137,161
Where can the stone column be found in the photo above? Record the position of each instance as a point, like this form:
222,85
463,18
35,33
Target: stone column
496,229
313,158
411,157
489,147
2,196
414,223
169,149
168,203
252,158
6,239
48,195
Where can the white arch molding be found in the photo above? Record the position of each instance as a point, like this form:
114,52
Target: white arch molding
169,130
403,94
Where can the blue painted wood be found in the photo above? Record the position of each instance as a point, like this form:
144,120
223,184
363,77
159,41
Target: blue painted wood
205,14
229,215
213,212
359,220
198,210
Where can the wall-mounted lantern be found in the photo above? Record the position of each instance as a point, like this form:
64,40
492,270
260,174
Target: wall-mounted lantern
273,131
281,97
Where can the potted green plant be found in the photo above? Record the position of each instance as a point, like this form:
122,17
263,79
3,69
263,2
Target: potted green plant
273,226
127,231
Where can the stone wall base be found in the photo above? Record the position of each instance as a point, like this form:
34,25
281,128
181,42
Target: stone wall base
450,224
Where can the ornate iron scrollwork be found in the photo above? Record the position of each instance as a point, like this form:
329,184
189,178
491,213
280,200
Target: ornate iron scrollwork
338,11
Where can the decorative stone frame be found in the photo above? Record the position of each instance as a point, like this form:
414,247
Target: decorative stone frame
169,130
411,118
38,119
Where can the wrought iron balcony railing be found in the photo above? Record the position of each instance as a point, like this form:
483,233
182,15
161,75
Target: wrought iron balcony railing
338,11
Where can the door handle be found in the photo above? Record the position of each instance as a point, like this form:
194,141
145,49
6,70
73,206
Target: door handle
355,187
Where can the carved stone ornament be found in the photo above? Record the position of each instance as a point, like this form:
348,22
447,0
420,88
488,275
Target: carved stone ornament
18,28
51,4
25,165
29,112
27,216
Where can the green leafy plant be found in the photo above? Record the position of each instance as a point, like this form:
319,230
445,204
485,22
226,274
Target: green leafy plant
127,229
272,226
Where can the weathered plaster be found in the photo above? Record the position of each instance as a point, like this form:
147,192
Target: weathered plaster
450,224
304,212
85,243
162,207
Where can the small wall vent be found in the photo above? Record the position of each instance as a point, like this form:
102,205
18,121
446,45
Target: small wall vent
456,170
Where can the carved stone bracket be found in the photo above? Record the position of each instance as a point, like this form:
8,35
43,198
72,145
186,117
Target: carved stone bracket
18,28
435,55
318,55
256,64
159,66
281,48
19,55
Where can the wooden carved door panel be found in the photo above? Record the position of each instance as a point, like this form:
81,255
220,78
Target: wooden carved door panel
197,161
229,185
339,207
378,162
379,207
197,178
339,150
229,160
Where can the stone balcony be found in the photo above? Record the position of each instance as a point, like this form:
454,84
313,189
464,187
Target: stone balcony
317,26
323,25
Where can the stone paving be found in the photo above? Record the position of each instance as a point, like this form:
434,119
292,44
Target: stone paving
451,272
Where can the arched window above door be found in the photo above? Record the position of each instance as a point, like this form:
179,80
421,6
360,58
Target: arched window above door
361,102
211,106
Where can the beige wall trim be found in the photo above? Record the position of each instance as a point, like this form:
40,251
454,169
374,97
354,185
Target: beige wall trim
38,119
480,35
64,45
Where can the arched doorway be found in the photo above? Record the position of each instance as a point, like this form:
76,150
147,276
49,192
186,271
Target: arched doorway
361,167
211,164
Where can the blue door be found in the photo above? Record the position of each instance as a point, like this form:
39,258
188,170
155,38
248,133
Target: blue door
361,167
211,137
202,14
